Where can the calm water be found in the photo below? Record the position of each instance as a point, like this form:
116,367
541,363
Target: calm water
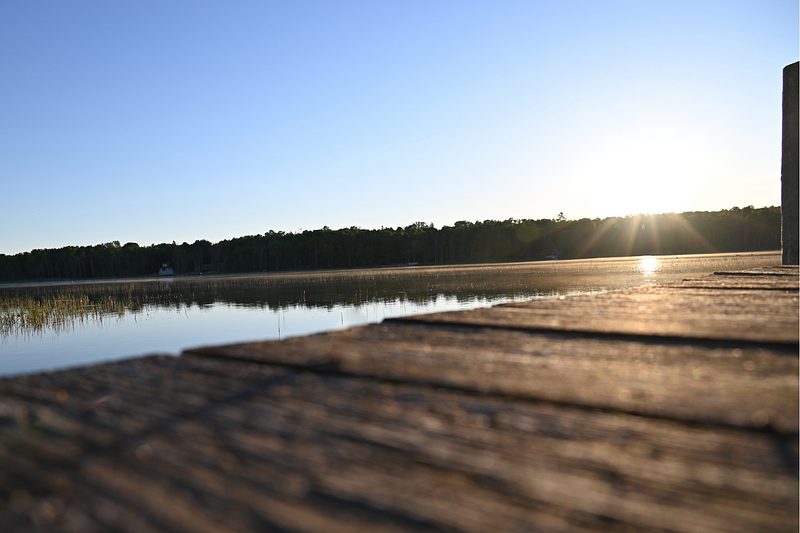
136,317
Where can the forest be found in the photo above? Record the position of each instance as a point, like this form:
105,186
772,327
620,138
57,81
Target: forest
730,230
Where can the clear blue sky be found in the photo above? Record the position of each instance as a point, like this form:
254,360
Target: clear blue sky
171,121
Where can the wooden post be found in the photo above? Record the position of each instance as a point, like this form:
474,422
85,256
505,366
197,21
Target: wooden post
789,167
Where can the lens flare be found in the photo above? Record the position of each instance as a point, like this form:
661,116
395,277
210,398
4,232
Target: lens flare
144,452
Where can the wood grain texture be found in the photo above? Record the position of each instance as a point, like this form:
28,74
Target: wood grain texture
692,313
246,447
783,278
749,386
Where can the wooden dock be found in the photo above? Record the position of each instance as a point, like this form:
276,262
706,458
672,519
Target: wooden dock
670,408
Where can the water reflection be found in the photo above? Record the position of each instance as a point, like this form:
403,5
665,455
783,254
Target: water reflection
55,325
648,265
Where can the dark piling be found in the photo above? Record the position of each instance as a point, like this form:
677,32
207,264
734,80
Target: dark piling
789,166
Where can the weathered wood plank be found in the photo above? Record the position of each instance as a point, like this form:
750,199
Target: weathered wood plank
748,386
775,270
249,447
735,283
734,315
766,278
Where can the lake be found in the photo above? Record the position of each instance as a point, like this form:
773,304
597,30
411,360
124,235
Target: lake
48,326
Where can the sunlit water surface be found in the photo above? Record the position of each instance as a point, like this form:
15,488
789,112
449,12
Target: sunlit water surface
170,315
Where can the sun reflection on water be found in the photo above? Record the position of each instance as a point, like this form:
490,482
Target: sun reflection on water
648,266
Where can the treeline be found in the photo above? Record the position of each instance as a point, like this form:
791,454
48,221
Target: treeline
729,230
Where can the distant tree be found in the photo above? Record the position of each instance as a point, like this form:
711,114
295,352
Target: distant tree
745,229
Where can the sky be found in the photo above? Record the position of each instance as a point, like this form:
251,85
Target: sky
155,122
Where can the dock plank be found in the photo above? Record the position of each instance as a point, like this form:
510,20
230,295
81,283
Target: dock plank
316,452
748,387
757,280
731,315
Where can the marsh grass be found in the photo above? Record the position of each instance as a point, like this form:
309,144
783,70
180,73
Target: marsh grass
38,308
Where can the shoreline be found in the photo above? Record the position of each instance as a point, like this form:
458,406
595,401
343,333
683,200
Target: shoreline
300,274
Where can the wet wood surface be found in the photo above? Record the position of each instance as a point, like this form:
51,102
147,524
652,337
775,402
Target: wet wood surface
663,408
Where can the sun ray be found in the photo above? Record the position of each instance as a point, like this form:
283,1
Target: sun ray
597,235
633,231
694,234
651,226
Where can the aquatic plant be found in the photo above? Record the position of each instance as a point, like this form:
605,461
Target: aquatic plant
32,309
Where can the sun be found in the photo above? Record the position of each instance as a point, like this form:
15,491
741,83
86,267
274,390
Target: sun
653,172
